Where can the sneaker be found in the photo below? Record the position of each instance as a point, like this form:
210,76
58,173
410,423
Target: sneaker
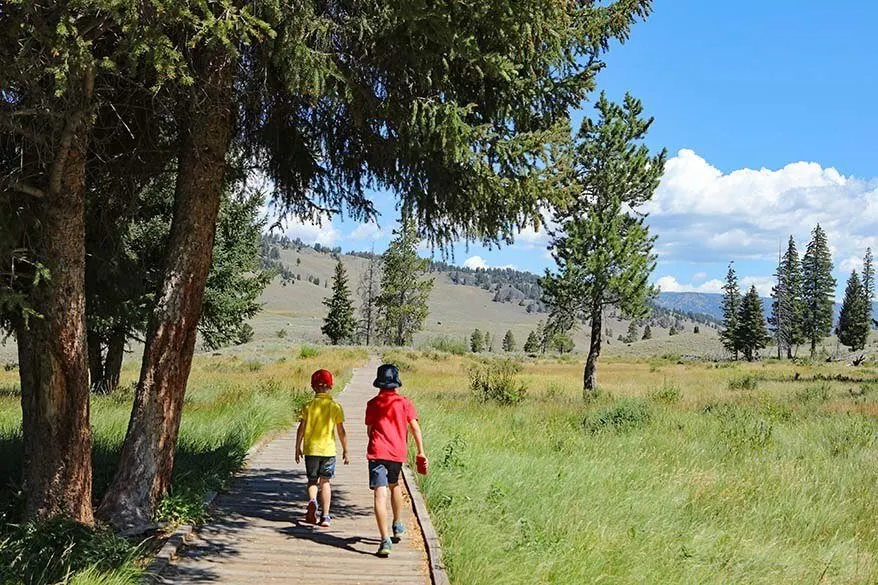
398,530
325,520
384,548
311,514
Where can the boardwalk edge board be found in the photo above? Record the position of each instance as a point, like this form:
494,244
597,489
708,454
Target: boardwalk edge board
438,575
179,537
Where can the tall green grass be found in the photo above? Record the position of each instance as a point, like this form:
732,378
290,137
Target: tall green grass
230,405
709,486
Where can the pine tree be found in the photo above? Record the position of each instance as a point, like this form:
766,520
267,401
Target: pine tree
854,319
477,341
602,246
696,329
647,333
508,341
869,282
672,331
405,290
532,345
369,291
787,310
339,324
731,305
750,332
818,289
633,332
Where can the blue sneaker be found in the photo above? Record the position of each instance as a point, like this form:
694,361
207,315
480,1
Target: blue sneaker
398,530
384,548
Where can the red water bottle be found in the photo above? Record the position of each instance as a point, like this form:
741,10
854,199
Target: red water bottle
421,461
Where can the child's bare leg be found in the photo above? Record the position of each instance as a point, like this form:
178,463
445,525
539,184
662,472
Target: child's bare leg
396,501
381,510
312,491
325,495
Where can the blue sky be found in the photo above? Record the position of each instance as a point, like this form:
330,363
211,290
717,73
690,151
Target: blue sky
767,112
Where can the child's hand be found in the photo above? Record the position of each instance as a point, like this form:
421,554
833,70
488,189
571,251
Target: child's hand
298,456
345,458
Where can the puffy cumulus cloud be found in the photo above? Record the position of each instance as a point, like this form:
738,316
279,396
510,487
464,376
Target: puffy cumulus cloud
703,214
366,232
475,262
763,285
699,276
312,232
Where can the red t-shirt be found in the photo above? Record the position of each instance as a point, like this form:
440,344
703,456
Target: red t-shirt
388,415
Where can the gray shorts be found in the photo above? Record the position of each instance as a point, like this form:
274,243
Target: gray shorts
383,473
317,467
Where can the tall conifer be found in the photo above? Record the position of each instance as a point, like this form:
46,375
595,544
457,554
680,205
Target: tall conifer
818,289
750,332
787,310
853,320
731,305
339,324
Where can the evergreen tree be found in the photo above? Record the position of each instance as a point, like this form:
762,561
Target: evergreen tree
369,291
750,332
696,329
672,331
854,319
405,290
647,333
562,343
633,332
532,344
818,289
508,341
787,310
477,341
339,324
869,282
731,306
602,246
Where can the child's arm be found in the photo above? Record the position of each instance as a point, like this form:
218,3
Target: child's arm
343,437
300,436
419,438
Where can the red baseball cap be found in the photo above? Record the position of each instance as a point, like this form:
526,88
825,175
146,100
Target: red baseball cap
321,379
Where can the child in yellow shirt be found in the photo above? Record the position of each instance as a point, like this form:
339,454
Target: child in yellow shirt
315,439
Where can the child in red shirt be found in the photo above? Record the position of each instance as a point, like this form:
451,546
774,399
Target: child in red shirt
389,416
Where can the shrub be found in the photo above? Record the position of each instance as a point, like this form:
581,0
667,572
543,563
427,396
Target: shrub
667,394
817,393
281,333
403,361
497,381
254,365
447,344
625,415
746,382
308,351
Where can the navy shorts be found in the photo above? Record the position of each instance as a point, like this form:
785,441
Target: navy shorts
383,473
317,467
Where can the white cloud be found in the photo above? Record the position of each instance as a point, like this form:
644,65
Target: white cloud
670,284
851,263
703,214
366,231
312,232
699,276
475,262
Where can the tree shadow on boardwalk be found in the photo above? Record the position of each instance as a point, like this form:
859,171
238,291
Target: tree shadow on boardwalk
261,501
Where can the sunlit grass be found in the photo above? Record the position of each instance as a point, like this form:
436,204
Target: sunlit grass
230,405
775,484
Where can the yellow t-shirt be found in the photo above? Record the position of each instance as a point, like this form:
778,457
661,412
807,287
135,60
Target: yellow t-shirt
320,416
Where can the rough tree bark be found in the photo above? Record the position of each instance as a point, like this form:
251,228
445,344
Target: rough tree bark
52,349
589,378
148,453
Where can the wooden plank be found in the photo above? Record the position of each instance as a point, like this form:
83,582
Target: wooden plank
258,532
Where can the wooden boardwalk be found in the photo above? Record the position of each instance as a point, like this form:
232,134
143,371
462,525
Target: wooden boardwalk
258,535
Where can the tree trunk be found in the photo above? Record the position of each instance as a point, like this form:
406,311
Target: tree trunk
113,366
148,453
95,361
52,349
590,381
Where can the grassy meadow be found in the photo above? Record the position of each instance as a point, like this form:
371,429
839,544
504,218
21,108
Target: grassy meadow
234,398
676,473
